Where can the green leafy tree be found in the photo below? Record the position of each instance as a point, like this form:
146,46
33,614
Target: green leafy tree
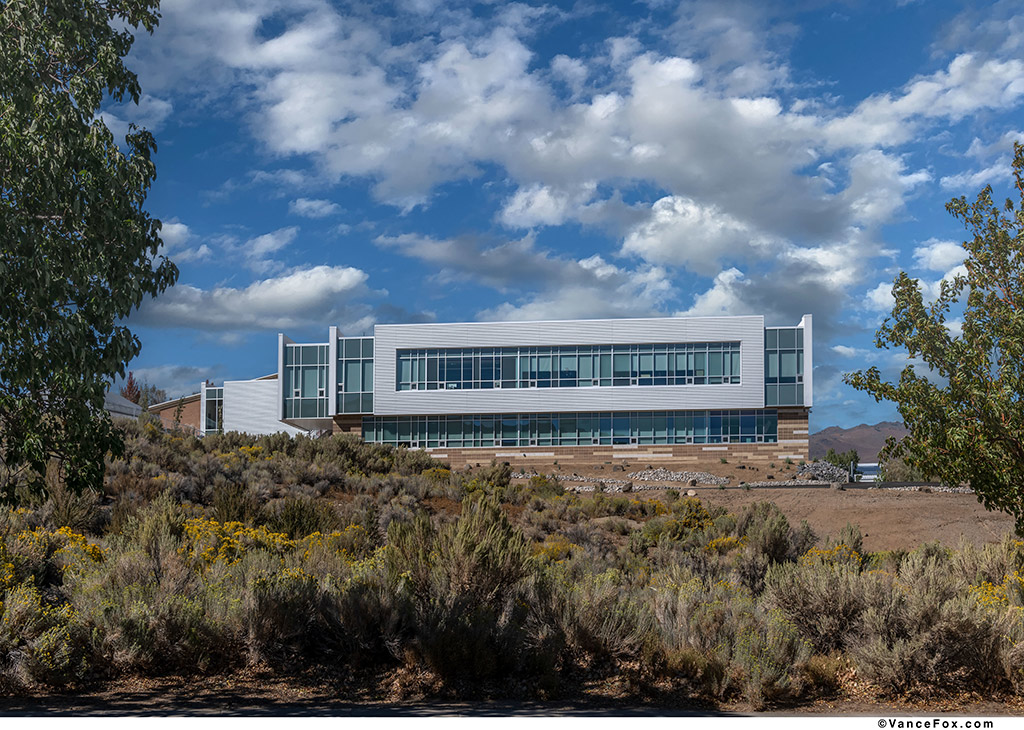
77,250
965,416
842,460
150,395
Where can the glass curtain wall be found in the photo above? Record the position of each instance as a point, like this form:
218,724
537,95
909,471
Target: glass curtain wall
574,429
784,366
305,381
691,363
355,375
214,416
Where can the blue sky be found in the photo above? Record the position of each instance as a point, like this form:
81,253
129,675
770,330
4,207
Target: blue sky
354,164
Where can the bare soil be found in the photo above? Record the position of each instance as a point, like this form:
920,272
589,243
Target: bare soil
263,692
889,519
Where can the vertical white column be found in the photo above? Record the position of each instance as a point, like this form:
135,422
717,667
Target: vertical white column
332,370
807,326
202,408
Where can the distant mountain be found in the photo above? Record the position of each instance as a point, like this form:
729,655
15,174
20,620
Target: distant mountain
867,440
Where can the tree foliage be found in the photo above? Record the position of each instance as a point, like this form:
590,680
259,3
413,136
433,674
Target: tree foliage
843,459
965,417
130,389
77,250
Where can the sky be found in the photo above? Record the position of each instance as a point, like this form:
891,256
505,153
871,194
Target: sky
422,161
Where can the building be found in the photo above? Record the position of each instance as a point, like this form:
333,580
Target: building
674,391
118,405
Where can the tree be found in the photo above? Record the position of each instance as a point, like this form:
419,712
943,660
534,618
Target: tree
844,459
965,417
77,250
151,395
131,389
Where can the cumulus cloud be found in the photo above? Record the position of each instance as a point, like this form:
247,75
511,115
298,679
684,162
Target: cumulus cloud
304,297
176,238
937,255
313,208
541,205
683,232
702,154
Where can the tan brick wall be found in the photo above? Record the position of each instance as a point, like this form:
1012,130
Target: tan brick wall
793,444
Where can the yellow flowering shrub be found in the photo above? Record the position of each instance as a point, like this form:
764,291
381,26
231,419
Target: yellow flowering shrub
840,554
1000,595
208,541
725,544
555,549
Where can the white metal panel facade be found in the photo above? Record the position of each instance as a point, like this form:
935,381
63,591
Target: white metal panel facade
251,406
749,393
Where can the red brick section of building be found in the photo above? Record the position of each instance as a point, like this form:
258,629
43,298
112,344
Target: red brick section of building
792,444
189,418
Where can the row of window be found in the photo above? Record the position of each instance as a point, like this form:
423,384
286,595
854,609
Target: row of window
691,363
574,429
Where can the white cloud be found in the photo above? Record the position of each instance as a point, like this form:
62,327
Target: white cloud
540,205
177,380
997,172
877,186
313,208
937,255
258,251
854,352
300,298
880,298
150,114
176,237
681,231
724,296
969,84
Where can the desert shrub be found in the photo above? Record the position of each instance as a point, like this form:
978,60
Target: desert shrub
401,508
41,642
716,637
67,508
283,611
463,580
768,653
546,487
931,631
766,529
898,470
850,536
823,599
498,475
601,616
991,563
235,502
300,516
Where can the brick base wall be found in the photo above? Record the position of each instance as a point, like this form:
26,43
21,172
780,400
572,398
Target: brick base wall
792,443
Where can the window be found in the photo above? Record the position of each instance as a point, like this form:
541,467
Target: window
571,366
